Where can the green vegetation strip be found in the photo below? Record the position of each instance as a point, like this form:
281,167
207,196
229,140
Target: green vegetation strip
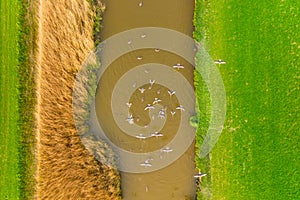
257,154
17,100
9,114
98,8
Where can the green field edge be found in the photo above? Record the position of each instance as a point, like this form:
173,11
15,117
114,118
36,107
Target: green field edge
27,100
9,115
18,127
202,108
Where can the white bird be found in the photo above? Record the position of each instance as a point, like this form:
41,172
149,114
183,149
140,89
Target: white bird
180,108
140,4
129,42
142,90
156,100
171,92
156,134
166,149
139,58
130,119
151,83
143,35
220,62
148,107
162,114
141,136
146,163
157,50
178,66
173,113
134,84
128,104
199,175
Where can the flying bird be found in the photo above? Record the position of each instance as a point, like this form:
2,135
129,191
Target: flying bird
180,108
178,66
171,92
141,136
156,134
173,113
199,175
130,119
142,90
162,114
151,83
220,62
156,100
128,104
146,163
148,107
166,149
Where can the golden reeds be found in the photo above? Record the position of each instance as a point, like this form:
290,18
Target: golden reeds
65,169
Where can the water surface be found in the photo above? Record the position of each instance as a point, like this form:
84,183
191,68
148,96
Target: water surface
175,181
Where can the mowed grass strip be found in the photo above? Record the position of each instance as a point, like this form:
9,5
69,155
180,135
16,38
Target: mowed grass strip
9,116
256,156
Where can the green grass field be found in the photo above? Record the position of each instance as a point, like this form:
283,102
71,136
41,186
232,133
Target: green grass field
9,114
257,155
17,29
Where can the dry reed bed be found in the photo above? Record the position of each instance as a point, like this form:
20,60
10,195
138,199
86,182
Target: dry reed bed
65,169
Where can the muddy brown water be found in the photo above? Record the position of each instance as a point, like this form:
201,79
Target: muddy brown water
176,180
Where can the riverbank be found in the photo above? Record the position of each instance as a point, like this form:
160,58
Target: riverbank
65,168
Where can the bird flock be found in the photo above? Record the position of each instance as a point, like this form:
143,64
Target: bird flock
162,112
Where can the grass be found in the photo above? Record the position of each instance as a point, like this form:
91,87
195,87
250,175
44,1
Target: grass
9,114
27,99
256,155
17,100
